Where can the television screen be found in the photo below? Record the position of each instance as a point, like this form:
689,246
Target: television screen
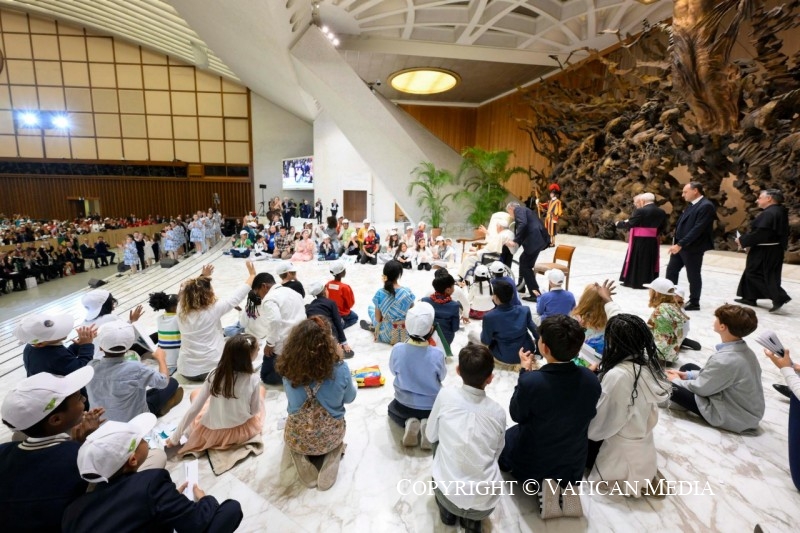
298,173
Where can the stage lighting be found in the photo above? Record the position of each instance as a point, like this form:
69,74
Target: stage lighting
60,122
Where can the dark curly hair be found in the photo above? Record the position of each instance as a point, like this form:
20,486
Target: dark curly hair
162,300
309,354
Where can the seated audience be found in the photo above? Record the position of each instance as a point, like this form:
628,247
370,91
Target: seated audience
342,294
327,251
44,335
323,306
370,247
556,301
242,246
418,370
447,310
304,248
594,309
423,255
501,273
283,244
288,274
667,319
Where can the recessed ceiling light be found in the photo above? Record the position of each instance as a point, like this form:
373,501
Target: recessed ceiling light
29,120
424,80
60,122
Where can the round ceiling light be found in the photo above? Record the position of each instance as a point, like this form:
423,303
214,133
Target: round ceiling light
424,80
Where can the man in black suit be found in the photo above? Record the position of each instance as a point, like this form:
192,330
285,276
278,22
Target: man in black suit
646,225
531,235
693,237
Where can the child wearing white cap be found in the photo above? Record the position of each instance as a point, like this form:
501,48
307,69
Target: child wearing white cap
44,335
418,370
667,320
39,475
127,498
342,294
556,301
288,274
121,385
323,306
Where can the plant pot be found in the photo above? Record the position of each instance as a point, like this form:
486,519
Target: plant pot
435,232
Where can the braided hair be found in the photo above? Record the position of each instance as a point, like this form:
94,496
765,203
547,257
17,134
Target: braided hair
253,299
627,338
391,273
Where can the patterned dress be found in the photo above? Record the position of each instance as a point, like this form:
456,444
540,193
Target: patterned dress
667,323
393,309
130,257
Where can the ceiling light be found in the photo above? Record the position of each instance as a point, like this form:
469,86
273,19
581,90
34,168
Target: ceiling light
647,2
335,42
424,80
29,120
325,30
60,122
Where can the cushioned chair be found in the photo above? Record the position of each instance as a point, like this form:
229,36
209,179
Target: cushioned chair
562,260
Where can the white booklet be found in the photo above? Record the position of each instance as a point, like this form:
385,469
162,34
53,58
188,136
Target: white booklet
190,475
589,355
769,340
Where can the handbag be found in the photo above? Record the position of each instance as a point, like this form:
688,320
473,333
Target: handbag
398,333
30,283
312,430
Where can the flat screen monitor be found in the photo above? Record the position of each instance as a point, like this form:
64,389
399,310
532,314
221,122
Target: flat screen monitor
298,173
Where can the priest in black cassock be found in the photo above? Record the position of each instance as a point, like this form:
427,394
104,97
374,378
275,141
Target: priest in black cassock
767,240
647,223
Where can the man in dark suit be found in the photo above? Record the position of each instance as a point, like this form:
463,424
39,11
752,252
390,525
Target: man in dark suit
531,235
646,225
693,237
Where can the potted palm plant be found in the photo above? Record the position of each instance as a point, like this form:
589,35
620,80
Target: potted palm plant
487,173
429,184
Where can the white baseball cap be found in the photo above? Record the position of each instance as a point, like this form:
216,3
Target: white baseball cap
337,267
555,277
315,288
481,271
419,319
393,231
680,291
44,327
93,301
34,398
661,286
345,221
108,448
285,267
115,337
243,232
496,267
439,238
366,221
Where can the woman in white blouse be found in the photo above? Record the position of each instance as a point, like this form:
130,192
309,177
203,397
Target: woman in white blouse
633,384
199,314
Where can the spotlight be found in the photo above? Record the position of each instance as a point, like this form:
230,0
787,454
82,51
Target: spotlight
335,42
325,30
29,120
60,122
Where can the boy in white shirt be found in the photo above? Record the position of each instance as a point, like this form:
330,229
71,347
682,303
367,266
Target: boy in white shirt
467,430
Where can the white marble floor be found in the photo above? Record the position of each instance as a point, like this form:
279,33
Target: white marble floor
748,474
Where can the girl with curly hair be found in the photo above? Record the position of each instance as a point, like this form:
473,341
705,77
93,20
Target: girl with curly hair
199,314
318,384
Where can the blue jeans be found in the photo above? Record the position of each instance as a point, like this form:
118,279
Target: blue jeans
269,375
349,319
237,253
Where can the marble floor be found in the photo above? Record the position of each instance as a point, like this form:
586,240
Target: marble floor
747,474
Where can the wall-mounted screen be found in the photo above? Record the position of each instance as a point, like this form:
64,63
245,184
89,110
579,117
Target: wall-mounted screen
298,173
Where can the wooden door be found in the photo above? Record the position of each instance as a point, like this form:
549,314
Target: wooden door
354,205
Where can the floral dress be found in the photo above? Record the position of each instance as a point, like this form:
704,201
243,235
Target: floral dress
666,322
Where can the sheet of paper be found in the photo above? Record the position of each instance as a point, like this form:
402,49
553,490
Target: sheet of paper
769,340
190,475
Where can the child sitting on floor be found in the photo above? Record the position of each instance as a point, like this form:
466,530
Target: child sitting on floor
447,311
419,370
500,273
120,385
129,498
666,321
727,392
44,336
467,429
342,294
228,409
556,301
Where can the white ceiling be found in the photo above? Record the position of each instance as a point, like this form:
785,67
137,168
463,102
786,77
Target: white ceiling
250,40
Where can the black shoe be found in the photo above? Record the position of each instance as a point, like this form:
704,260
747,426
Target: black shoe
366,325
471,526
530,298
349,354
691,307
776,306
746,301
783,389
448,518
689,343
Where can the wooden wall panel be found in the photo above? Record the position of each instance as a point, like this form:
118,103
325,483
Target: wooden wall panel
47,196
455,126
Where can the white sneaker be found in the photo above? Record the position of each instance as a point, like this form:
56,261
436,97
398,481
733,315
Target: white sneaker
411,435
424,443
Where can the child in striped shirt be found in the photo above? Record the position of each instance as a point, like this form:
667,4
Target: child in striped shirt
169,335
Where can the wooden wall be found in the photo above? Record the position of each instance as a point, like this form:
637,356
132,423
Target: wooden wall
49,196
455,126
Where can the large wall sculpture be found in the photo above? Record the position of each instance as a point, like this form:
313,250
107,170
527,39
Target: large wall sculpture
654,110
